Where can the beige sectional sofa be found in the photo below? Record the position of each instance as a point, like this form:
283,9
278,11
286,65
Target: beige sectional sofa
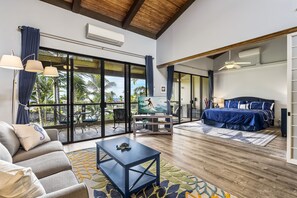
48,161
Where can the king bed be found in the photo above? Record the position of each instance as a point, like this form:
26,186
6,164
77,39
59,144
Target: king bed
241,113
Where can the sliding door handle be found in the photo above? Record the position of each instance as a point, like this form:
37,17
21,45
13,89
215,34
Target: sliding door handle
289,113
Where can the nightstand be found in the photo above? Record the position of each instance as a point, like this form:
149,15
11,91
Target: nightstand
284,122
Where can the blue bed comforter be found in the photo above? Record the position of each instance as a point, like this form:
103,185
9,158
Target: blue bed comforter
242,119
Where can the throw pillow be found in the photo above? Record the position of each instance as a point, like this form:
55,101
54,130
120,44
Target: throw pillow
17,181
4,154
256,105
8,138
30,135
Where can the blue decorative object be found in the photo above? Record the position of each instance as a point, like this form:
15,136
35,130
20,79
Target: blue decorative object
40,130
30,45
233,104
256,105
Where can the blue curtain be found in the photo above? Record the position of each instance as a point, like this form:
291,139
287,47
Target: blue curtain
30,45
149,74
170,72
210,84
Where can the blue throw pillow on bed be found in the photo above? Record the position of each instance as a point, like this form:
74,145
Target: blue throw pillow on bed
268,106
226,103
256,105
233,104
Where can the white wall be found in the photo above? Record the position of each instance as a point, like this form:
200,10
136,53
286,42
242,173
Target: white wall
267,80
197,67
211,24
58,21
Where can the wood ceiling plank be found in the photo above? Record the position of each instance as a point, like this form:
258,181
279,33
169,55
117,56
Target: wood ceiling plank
178,3
60,3
110,8
173,19
76,6
132,12
164,7
145,17
100,17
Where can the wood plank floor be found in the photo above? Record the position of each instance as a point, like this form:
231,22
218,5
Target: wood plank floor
241,169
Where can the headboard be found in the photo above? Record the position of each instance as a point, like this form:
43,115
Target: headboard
251,99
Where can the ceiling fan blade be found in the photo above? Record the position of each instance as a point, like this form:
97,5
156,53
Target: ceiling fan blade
236,66
243,63
222,68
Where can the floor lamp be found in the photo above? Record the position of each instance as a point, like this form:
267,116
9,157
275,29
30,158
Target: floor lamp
15,63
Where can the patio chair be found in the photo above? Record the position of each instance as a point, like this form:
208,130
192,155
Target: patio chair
90,120
119,116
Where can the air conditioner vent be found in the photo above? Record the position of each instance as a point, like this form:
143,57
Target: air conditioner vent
105,36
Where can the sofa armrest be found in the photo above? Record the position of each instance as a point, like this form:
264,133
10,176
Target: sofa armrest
76,191
53,134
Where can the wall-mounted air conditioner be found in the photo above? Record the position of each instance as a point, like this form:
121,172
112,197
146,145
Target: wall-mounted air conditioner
248,53
105,36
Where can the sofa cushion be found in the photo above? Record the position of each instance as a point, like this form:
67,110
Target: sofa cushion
47,164
37,151
17,181
30,135
58,181
8,138
4,154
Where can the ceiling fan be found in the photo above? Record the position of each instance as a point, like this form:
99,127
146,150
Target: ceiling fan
233,64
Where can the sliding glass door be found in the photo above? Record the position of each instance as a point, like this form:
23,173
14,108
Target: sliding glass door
185,98
91,98
115,121
188,94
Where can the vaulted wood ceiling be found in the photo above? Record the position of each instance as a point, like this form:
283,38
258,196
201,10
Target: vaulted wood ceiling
146,17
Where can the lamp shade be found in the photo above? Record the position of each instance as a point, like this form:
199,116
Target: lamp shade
50,71
34,66
11,62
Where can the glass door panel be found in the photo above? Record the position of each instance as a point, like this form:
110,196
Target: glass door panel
49,100
196,99
86,97
137,88
114,95
174,102
185,97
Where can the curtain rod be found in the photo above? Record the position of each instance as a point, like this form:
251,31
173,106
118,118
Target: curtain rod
60,38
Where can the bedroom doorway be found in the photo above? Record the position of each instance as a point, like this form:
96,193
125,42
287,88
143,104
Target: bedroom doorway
188,94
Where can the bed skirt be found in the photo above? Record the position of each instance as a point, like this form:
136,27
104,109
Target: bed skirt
233,126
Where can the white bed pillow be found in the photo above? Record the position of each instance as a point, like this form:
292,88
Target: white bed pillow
17,181
243,106
30,135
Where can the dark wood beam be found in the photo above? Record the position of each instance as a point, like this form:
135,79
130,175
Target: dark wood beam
76,6
59,3
216,55
100,17
171,21
232,46
132,12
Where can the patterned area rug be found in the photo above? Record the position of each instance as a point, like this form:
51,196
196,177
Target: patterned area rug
174,181
260,138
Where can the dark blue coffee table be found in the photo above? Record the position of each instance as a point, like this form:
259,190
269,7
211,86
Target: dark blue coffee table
123,168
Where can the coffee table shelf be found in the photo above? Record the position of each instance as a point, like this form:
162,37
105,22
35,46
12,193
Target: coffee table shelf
115,172
124,168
